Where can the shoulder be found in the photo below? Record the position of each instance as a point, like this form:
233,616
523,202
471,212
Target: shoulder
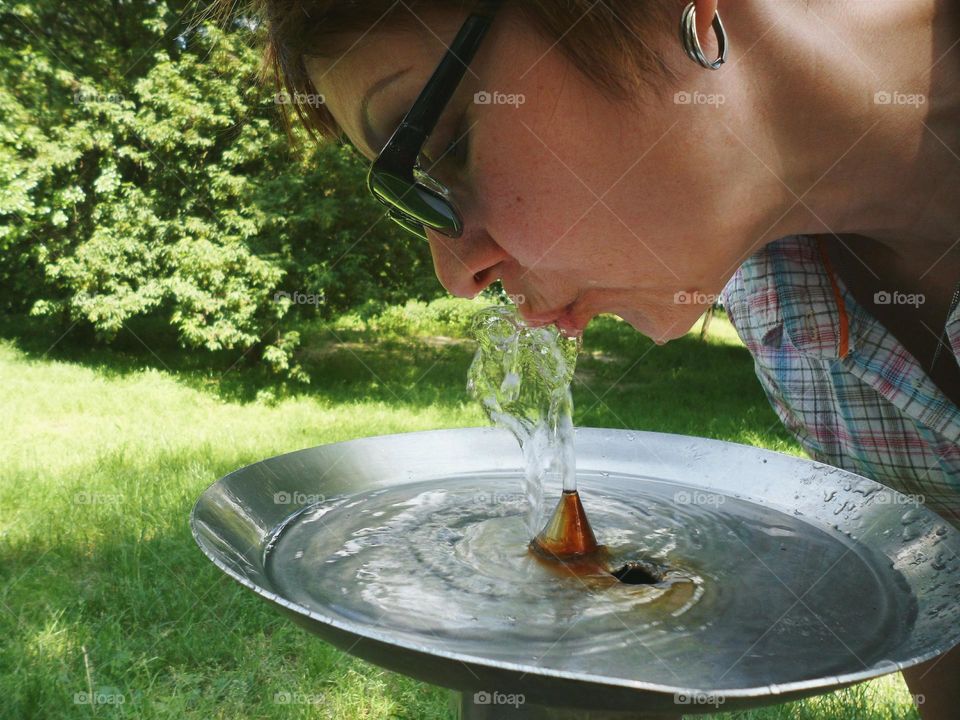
750,296
784,291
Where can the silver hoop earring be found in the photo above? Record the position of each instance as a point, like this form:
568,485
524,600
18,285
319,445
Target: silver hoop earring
691,43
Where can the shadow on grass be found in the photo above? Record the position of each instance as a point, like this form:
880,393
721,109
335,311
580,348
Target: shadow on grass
119,600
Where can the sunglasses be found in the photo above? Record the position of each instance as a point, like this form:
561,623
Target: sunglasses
414,199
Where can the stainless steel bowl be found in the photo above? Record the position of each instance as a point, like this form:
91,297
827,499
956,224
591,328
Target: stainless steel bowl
810,578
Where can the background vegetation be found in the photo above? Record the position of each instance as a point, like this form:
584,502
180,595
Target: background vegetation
147,187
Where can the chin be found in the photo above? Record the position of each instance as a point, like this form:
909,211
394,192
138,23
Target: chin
661,330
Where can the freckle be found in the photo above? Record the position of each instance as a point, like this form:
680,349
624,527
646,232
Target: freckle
519,199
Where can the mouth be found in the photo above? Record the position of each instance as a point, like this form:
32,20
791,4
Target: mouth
565,318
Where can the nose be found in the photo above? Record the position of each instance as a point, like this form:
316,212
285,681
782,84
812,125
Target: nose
465,265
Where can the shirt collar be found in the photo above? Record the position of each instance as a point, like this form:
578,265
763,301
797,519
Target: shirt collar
791,292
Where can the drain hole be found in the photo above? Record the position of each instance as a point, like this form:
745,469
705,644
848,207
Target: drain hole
639,572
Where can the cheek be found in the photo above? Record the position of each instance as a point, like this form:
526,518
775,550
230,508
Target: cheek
533,204
599,208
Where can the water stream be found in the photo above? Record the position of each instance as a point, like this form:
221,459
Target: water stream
521,376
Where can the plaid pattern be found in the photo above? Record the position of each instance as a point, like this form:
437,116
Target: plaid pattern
856,399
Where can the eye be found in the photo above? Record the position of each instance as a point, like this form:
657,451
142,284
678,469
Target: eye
455,151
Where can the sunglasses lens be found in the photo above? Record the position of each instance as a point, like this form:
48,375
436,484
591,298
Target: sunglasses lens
417,204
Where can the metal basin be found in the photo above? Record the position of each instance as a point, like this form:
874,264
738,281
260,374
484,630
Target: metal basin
782,578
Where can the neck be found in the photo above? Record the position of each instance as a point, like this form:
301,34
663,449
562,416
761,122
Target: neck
860,114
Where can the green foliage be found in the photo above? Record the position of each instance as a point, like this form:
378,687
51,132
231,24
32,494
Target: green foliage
444,316
144,174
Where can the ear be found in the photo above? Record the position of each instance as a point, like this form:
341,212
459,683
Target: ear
706,10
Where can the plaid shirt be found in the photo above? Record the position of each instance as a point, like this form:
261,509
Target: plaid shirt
841,383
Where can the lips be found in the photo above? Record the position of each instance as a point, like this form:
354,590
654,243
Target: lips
564,318
570,325
542,318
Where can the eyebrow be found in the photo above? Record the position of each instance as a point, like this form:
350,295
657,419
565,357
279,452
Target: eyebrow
366,126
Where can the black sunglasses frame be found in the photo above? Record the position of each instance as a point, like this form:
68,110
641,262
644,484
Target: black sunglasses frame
413,199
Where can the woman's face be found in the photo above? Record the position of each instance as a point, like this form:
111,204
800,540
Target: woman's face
579,204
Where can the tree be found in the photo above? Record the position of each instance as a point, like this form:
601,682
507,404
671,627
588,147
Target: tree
144,173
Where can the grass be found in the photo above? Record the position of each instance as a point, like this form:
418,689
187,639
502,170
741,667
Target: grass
102,589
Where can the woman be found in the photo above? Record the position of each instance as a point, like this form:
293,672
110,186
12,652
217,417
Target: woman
804,154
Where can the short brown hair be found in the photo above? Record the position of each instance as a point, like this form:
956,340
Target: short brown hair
602,38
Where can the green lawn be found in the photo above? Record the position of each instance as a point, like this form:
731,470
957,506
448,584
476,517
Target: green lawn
103,589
